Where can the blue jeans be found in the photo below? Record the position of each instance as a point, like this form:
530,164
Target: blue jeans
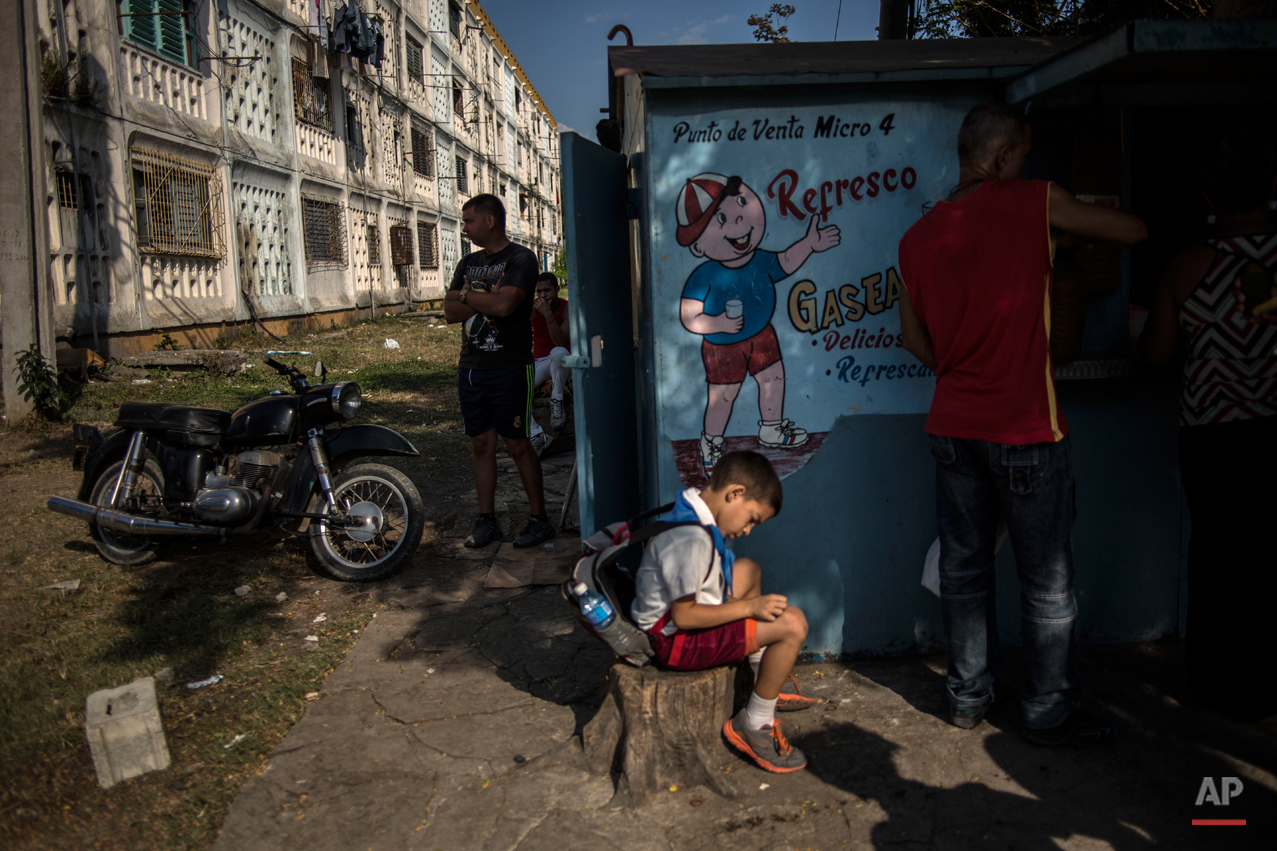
1031,489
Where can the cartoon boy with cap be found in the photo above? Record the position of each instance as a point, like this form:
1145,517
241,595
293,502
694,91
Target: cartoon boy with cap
731,300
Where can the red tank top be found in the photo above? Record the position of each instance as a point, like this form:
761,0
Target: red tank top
978,274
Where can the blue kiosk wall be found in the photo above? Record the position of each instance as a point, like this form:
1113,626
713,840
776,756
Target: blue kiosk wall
860,163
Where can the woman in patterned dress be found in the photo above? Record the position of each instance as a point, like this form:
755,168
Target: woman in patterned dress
1218,299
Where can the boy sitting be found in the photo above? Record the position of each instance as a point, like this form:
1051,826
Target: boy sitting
703,606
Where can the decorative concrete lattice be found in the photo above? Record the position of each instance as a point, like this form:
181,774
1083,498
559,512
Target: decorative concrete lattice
394,159
366,273
80,242
166,278
446,168
164,83
449,247
441,94
362,159
316,144
249,84
390,29
262,230
300,9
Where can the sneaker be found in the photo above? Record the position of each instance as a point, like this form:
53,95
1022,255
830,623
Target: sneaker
557,415
534,533
540,441
791,698
486,530
1082,729
711,451
767,747
781,433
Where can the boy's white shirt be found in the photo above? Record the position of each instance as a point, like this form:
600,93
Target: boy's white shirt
674,566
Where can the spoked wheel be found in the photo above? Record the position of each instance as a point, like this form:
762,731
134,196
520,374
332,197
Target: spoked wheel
121,547
390,520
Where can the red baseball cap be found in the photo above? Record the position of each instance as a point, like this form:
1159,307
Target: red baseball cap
698,200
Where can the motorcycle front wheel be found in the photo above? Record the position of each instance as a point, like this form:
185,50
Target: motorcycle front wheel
121,547
391,519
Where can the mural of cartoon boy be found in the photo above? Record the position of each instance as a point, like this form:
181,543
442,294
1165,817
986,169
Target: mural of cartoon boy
730,302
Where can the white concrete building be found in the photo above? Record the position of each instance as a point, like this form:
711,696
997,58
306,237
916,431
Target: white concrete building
207,160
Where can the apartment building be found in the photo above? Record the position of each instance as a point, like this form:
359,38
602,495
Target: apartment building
209,161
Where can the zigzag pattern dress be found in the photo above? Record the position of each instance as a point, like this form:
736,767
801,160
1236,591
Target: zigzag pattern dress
1231,371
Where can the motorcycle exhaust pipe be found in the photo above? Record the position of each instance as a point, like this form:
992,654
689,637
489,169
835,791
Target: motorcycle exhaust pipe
120,521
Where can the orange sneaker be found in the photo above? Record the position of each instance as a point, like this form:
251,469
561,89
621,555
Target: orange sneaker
767,747
791,698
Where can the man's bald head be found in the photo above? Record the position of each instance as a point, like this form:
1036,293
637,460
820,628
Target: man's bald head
987,129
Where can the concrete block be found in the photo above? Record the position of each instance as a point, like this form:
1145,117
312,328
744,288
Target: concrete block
126,736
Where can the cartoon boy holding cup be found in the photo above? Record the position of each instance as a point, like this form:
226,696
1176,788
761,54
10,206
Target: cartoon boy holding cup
730,303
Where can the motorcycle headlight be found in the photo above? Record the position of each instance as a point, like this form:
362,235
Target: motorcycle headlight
346,400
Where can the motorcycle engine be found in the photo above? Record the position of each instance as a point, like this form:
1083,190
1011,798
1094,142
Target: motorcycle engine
233,497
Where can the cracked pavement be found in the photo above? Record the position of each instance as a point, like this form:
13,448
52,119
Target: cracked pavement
450,725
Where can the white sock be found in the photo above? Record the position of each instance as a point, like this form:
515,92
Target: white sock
759,713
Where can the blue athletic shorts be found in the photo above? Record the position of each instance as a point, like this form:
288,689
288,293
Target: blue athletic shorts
496,398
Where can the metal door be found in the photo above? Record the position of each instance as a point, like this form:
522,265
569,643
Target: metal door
597,232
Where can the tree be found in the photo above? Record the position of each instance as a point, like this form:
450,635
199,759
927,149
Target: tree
1081,18
765,29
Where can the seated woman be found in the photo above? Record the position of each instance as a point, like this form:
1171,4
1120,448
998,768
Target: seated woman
1219,298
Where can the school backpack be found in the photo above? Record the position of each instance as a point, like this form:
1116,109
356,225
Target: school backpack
609,567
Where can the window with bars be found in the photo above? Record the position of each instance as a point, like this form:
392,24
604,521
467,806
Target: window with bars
463,181
164,26
311,97
416,68
428,244
374,246
423,152
454,19
67,196
458,100
177,205
325,234
401,253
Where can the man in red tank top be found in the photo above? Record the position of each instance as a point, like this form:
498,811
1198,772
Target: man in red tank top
977,311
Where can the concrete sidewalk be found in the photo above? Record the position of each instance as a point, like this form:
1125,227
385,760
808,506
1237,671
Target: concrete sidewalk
451,724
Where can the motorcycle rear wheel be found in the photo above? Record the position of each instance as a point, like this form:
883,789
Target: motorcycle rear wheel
396,519
120,547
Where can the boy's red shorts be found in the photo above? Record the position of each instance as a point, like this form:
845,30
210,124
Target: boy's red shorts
698,649
730,363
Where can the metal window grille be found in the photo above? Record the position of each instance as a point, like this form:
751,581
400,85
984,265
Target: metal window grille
310,97
463,181
67,198
415,65
423,152
428,242
325,234
458,100
454,19
178,205
401,253
160,25
374,246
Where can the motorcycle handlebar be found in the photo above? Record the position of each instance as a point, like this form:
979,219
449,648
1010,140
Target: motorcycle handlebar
276,365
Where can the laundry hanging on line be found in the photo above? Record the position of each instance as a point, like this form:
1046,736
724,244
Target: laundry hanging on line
358,34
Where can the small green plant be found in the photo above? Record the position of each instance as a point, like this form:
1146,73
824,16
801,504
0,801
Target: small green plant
167,344
53,74
38,384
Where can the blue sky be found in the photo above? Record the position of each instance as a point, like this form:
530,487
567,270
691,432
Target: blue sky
562,44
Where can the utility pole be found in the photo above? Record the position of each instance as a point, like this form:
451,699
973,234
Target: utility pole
25,312
893,19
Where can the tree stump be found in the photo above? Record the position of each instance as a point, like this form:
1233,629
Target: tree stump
660,728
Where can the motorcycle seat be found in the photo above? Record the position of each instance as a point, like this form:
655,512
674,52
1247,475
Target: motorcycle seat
180,418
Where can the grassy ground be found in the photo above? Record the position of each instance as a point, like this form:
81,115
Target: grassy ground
181,612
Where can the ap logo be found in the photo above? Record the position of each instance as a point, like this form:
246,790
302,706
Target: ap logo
1229,788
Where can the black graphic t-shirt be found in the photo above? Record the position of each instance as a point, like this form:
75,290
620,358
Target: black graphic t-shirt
493,342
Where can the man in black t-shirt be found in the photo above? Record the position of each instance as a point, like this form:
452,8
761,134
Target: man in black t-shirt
492,293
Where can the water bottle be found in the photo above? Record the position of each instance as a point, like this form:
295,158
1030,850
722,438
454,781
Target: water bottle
594,607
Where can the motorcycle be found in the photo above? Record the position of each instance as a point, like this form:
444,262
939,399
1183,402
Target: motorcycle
173,470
